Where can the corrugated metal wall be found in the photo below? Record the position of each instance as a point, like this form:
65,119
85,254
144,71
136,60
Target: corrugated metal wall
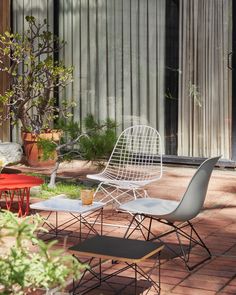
4,25
117,49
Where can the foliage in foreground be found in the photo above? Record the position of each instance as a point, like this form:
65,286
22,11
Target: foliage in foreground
21,269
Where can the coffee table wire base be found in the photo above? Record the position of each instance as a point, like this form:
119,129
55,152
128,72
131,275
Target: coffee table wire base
56,229
77,286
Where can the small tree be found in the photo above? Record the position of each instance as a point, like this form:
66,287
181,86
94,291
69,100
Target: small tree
34,76
94,144
65,149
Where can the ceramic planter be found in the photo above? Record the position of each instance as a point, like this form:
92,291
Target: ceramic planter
33,154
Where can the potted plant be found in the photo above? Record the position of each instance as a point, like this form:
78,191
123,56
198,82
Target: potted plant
35,81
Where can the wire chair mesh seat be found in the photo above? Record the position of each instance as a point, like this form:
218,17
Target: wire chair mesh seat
136,161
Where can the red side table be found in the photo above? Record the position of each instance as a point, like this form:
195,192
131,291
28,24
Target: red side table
18,186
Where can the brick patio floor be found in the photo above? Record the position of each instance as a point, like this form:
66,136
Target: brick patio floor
216,224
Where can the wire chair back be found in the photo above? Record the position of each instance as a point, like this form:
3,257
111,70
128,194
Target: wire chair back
137,156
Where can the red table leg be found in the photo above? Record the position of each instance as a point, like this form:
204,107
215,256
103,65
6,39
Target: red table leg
23,198
27,200
8,196
16,187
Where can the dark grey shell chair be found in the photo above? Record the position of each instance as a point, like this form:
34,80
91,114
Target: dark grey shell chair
175,214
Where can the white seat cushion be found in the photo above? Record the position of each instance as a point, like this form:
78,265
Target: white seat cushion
150,206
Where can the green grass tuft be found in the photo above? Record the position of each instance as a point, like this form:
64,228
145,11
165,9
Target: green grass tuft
70,190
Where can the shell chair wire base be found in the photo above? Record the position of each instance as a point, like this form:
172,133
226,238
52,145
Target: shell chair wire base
144,224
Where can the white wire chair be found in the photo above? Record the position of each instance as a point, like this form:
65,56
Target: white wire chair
136,161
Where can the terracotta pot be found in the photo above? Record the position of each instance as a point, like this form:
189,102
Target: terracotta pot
33,153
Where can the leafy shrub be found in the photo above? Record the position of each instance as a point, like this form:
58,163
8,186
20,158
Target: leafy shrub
96,145
48,148
100,141
70,129
21,269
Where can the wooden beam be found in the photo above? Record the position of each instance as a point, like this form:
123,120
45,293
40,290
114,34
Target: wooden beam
4,81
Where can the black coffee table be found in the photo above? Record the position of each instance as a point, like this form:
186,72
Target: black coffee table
128,252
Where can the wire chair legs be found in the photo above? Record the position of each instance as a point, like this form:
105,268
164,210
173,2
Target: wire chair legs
112,195
109,193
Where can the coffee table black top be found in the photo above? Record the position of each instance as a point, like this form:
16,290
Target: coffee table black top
127,250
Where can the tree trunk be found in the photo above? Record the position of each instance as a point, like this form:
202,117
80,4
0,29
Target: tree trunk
52,182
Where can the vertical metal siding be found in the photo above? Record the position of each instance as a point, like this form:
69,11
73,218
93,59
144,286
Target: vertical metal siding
117,49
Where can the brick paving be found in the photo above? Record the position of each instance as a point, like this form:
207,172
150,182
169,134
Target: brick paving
216,224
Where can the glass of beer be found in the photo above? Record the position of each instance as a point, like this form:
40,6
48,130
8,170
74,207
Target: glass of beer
86,196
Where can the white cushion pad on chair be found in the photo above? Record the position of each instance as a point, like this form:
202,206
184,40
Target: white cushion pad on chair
150,206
